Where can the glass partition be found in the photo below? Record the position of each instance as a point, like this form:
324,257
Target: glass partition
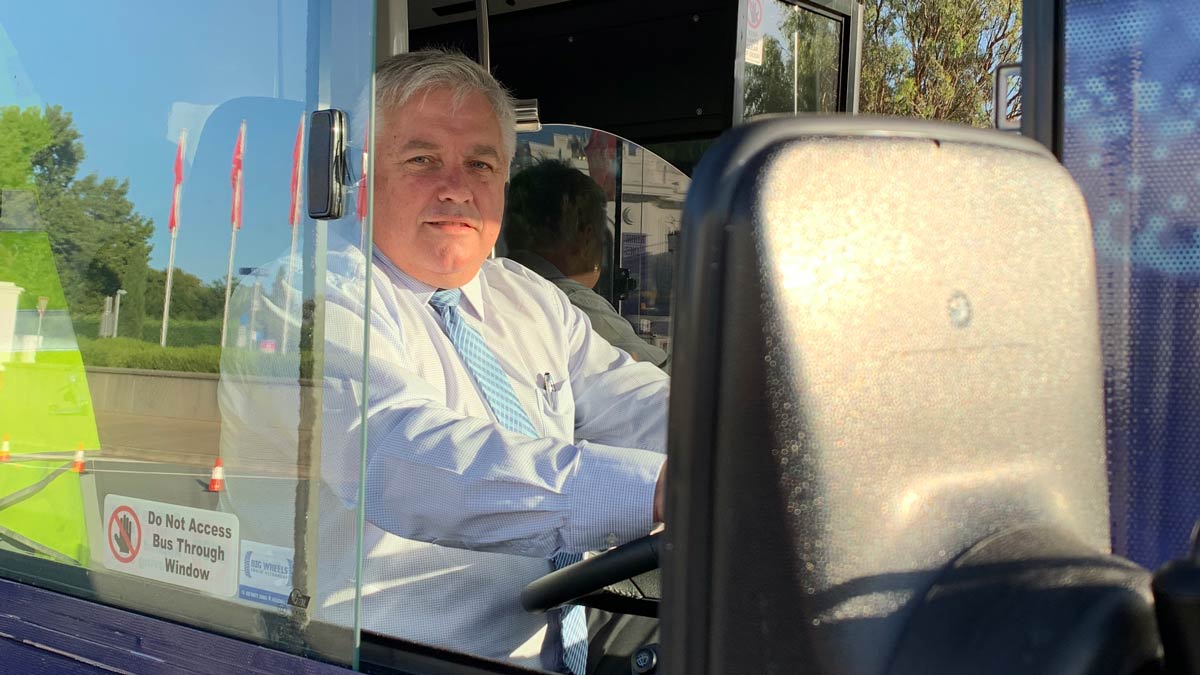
652,194
164,373
506,436
643,200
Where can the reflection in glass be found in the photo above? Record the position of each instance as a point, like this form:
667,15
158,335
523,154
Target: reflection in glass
135,229
801,63
643,215
1006,103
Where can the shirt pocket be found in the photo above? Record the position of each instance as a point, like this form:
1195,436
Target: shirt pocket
556,405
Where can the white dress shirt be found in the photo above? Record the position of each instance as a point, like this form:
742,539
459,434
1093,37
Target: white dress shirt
461,513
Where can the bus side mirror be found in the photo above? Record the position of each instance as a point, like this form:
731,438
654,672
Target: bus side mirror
327,165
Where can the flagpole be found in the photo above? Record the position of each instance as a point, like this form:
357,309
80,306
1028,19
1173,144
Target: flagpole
287,307
175,221
294,222
235,223
162,340
228,284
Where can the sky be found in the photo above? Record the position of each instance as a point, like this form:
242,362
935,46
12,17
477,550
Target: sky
134,73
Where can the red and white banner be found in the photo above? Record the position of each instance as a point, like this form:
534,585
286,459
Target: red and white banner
173,226
297,179
294,216
173,220
235,179
364,188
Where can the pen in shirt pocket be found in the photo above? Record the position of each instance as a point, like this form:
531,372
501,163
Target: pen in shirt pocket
549,387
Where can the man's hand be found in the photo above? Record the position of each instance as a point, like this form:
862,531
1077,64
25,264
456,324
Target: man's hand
660,495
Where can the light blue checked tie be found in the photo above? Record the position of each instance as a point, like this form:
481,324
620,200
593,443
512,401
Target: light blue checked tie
499,394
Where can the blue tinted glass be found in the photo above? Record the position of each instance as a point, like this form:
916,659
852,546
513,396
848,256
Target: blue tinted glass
1131,142
157,274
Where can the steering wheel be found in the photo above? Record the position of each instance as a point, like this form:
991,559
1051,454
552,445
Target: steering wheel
615,581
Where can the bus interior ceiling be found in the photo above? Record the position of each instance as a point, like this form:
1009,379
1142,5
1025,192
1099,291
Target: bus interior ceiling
647,71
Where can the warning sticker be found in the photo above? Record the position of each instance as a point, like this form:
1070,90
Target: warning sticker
124,534
754,32
178,545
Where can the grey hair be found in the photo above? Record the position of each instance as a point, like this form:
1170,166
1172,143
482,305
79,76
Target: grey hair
400,77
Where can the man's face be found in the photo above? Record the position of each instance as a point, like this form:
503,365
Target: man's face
439,186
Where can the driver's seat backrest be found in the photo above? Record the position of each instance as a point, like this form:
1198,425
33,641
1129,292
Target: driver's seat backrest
887,361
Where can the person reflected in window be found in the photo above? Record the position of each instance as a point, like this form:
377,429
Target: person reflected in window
554,224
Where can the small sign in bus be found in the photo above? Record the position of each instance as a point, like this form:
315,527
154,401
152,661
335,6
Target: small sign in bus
177,545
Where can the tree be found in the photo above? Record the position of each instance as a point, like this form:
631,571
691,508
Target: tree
921,58
936,58
133,305
18,209
769,85
25,259
191,298
810,49
817,54
98,241
55,165
23,134
100,244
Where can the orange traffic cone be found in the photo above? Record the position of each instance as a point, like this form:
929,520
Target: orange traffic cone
77,465
216,481
4,451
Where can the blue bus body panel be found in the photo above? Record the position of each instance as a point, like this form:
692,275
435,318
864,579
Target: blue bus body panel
46,632
1131,139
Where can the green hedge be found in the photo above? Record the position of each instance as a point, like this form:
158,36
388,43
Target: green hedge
181,332
127,353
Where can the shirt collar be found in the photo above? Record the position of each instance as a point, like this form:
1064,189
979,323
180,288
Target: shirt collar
472,291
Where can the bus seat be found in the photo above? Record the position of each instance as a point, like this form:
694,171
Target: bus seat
887,423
